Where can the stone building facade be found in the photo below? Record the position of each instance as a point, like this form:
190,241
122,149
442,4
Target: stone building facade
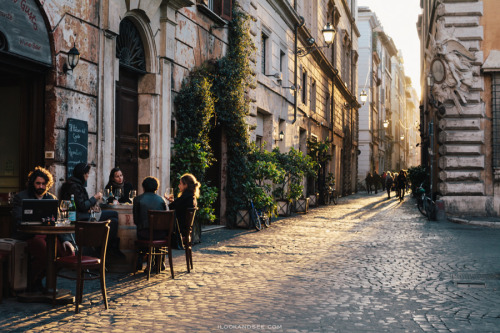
459,47
134,56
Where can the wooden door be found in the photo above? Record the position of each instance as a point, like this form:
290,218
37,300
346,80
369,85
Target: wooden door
126,113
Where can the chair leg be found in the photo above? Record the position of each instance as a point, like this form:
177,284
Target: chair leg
186,250
150,257
102,278
170,262
191,256
54,292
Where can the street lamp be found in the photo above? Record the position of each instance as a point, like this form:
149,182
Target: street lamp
402,137
363,96
385,123
328,35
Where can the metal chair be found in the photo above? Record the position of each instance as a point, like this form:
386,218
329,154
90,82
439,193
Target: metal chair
159,221
187,239
87,235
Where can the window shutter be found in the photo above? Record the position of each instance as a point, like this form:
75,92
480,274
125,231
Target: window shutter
217,7
227,9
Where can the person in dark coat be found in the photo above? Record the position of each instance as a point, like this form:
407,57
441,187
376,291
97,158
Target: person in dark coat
40,181
376,180
149,200
76,186
189,191
389,181
369,181
117,181
382,180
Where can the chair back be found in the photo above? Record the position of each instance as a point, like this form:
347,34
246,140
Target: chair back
161,220
190,213
92,234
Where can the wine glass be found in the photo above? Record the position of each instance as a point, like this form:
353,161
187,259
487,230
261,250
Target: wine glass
118,193
63,207
169,193
132,195
106,194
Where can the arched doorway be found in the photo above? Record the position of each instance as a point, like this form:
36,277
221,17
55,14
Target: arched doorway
130,51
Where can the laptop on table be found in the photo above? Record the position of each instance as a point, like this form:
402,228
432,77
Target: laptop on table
35,211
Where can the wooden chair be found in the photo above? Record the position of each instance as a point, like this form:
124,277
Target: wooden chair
187,239
4,259
159,220
87,235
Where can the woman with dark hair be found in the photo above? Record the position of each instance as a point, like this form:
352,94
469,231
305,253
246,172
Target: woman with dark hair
117,181
76,185
189,190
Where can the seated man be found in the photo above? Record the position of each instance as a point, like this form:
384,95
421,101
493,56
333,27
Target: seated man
149,200
76,186
39,182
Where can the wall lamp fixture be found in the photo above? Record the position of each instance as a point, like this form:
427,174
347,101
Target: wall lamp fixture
328,35
73,59
385,123
281,136
277,76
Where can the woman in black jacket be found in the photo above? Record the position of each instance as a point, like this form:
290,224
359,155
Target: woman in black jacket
189,190
76,186
117,181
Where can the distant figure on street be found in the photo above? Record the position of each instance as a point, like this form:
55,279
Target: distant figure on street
384,174
376,180
369,181
389,181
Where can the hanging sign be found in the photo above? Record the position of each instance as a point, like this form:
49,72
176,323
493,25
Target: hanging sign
24,29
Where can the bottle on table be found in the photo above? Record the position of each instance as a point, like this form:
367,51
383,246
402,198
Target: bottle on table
72,210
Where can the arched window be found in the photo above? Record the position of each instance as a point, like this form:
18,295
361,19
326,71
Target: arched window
129,48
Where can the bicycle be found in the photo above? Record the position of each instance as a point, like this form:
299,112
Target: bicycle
425,204
333,195
258,217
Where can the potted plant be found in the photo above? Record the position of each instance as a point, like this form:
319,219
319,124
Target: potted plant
295,166
319,152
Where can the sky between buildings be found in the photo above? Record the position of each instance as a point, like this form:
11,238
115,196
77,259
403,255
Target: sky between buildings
399,19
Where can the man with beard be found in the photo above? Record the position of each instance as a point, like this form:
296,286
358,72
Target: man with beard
39,182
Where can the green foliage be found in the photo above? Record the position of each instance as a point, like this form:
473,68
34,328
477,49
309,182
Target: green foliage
195,107
295,166
318,150
417,176
232,80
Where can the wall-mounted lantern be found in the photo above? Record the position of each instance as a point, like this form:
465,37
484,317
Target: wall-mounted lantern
73,59
144,146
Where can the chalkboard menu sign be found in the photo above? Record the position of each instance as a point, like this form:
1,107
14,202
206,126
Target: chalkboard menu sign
78,139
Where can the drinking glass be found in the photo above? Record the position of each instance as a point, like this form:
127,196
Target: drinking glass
106,194
118,193
169,193
132,195
64,206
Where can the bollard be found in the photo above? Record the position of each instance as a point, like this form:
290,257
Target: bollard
440,212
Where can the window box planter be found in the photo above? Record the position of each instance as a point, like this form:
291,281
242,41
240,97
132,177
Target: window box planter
314,200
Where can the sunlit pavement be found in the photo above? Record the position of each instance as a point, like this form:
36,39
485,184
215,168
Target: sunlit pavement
366,265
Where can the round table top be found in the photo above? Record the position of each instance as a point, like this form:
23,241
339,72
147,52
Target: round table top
46,229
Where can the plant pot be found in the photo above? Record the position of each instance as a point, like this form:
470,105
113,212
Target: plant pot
243,219
283,207
302,205
314,200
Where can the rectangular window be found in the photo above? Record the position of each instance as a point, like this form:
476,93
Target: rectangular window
313,96
223,8
495,105
263,53
282,60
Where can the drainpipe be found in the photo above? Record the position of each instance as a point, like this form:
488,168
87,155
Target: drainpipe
295,67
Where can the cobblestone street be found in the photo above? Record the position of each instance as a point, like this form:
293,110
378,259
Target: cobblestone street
367,264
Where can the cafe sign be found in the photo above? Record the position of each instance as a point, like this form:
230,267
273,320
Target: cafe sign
23,28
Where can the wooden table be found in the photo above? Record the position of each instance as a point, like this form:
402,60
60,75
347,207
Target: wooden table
51,232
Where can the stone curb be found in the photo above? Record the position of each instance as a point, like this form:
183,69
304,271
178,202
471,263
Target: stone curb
490,224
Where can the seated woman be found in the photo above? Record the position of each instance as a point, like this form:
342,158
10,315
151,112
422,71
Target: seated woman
116,181
189,190
149,200
76,185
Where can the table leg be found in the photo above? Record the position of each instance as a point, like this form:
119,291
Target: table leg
51,257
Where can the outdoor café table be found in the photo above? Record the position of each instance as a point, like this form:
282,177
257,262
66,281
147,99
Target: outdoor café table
51,232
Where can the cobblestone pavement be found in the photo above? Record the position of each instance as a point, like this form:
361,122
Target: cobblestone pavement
366,265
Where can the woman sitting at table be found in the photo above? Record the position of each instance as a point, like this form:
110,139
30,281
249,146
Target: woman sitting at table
76,186
189,190
117,181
